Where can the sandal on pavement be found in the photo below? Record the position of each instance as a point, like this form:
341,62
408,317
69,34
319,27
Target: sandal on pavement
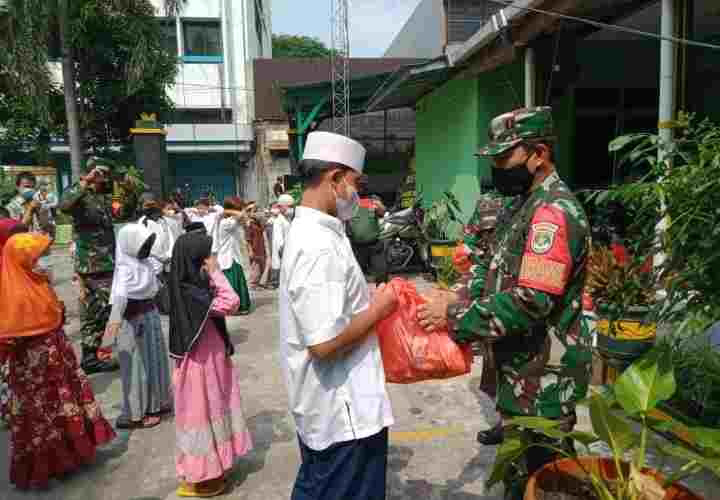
163,412
206,489
148,422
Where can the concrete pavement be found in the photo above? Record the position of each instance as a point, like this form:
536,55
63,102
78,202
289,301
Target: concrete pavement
433,454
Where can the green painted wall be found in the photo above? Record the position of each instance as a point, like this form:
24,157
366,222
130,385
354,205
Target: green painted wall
446,138
452,123
500,91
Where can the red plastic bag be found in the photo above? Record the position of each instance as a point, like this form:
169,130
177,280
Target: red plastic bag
409,353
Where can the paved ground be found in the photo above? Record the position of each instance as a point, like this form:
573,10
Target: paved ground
433,454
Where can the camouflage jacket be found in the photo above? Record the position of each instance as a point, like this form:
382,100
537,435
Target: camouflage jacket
480,229
93,229
528,286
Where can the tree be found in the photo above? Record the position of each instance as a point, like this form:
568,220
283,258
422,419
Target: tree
107,46
27,27
298,46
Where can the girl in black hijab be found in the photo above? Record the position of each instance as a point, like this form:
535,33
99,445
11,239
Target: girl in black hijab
211,432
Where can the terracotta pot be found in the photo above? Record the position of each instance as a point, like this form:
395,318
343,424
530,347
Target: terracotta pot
603,467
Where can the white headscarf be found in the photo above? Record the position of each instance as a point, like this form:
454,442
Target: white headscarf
133,278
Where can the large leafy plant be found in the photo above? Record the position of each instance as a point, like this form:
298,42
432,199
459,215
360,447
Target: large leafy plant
678,183
442,220
618,286
635,395
7,187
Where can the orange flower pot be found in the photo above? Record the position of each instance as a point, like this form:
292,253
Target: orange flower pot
602,467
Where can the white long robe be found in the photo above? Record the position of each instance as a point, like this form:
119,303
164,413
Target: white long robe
281,228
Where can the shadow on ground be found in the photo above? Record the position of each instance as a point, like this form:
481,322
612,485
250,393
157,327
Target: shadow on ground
266,428
239,336
259,302
401,489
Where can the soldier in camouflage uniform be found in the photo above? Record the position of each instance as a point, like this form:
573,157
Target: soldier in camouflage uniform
89,203
478,235
530,286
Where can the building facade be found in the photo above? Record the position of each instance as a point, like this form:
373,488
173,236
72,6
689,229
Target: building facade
210,137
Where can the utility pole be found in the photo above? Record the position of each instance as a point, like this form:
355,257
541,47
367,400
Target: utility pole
340,66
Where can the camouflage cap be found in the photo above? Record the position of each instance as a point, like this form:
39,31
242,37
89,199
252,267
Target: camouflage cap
510,129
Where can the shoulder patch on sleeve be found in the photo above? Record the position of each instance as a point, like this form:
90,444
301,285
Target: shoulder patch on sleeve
547,262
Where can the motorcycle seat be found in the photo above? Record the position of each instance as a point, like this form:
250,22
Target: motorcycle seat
402,217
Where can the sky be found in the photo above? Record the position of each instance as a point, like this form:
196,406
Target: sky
373,23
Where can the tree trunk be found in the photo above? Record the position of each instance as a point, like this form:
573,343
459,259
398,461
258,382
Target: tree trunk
68,74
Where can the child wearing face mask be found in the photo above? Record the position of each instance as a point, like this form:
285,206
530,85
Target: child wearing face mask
135,321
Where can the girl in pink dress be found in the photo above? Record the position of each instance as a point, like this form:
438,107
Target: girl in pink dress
211,429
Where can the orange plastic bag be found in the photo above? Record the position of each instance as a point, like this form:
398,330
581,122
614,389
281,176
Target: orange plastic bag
409,353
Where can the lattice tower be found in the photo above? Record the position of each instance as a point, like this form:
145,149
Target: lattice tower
340,67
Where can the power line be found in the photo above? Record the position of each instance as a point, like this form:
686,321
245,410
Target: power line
611,27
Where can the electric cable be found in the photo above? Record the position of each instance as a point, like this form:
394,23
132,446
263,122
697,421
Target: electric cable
607,26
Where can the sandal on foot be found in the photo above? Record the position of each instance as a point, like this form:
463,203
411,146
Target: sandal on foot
207,489
148,422
163,412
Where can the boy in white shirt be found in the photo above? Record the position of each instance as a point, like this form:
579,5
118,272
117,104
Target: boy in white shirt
330,354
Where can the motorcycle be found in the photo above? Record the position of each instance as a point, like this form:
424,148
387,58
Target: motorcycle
403,245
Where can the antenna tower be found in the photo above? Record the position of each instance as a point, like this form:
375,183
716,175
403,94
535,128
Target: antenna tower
340,67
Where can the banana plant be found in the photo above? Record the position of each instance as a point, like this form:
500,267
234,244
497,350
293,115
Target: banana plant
634,396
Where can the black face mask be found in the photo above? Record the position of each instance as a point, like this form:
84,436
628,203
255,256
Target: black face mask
512,181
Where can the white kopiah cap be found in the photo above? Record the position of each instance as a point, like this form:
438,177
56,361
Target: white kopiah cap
335,148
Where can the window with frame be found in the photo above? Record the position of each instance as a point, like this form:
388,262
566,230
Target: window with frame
202,39
168,30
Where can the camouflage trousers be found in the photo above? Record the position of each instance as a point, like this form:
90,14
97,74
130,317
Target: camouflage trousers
515,365
94,308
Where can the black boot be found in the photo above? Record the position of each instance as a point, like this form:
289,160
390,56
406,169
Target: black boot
493,436
91,364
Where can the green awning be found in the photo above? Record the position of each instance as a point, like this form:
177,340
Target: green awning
409,84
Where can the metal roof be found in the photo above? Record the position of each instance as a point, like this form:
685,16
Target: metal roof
271,75
407,85
307,97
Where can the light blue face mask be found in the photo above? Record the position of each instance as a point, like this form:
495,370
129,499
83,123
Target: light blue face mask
27,193
346,209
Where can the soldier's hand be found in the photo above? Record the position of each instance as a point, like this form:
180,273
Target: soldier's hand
433,314
111,330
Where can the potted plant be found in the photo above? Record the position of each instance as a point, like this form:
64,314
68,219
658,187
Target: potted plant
622,292
695,349
678,183
635,395
440,226
447,274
